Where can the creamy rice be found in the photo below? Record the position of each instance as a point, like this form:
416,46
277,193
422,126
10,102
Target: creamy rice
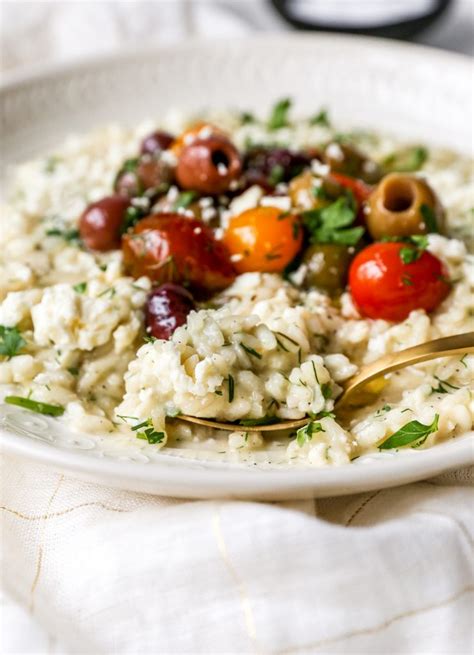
265,348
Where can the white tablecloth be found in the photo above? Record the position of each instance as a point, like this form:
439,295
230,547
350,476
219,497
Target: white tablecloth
88,569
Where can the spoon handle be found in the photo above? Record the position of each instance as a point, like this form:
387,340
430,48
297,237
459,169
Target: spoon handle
458,344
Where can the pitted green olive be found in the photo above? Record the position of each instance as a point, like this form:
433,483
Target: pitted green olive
402,205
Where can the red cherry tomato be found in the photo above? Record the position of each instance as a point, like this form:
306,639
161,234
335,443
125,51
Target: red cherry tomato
174,248
360,189
383,286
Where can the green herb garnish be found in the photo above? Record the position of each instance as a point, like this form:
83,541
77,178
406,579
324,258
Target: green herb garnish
276,175
305,434
73,370
265,420
80,287
131,217
246,117
429,218
70,235
321,118
331,224
406,160
51,164
231,387
413,433
326,390
279,115
11,341
184,200
149,434
443,386
251,351
35,405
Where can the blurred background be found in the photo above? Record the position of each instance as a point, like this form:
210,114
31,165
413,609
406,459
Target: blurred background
58,30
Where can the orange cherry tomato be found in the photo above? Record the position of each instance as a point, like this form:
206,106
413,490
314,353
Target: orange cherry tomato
263,239
200,130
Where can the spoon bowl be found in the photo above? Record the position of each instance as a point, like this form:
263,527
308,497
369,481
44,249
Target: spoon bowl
458,344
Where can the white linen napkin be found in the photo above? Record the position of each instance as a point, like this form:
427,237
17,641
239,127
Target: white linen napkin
88,569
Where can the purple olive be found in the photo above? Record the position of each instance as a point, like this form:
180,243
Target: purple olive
167,308
156,142
274,165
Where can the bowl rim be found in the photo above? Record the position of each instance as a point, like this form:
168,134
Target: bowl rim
47,69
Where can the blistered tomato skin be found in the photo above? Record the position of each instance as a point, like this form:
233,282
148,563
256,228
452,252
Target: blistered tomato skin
263,239
156,142
101,223
167,308
208,165
173,248
384,287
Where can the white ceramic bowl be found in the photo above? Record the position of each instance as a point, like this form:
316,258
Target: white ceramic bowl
411,91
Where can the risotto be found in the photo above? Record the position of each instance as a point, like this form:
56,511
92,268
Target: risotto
239,269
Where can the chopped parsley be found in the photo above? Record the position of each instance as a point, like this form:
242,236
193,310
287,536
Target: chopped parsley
149,433
51,164
81,287
462,360
305,434
73,370
412,434
383,410
231,387
11,341
251,351
321,118
407,281
246,117
416,244
184,200
276,175
131,217
265,420
406,160
326,390
279,114
71,235
35,405
429,218
332,224
443,386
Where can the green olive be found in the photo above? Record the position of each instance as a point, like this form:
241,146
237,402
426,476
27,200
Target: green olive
327,266
402,205
308,191
347,160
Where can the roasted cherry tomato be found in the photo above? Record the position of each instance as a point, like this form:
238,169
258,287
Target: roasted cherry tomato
167,307
384,286
263,239
174,248
101,223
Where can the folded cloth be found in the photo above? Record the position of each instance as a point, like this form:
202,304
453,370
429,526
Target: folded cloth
90,569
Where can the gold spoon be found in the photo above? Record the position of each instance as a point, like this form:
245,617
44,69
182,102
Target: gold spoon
458,344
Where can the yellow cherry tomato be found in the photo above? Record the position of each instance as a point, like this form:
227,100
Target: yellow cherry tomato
263,239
